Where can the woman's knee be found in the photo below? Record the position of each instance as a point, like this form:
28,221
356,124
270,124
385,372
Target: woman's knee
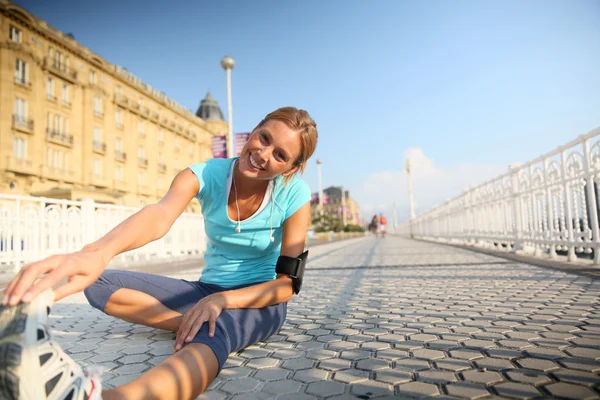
97,293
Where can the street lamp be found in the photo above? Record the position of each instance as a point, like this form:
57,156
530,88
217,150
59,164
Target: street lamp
407,167
319,162
228,63
344,221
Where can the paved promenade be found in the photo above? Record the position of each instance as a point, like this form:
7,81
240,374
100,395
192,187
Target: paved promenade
382,318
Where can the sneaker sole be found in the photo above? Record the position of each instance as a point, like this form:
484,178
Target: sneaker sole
13,321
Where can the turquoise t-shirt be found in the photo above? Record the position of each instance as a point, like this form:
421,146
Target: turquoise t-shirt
247,257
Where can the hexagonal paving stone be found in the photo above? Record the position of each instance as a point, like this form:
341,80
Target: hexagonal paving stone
262,362
282,387
577,377
351,375
417,390
253,353
374,346
494,364
320,354
584,352
529,376
135,358
467,390
334,364
368,389
412,364
570,391
286,354
234,373
452,364
422,337
310,375
516,390
392,354
339,346
240,385
444,345
545,352
427,354
393,376
298,363
582,364
466,354
355,355
131,369
479,376
537,364
268,375
436,376
325,388
372,364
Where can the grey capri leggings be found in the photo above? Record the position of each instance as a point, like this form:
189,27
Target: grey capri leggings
236,328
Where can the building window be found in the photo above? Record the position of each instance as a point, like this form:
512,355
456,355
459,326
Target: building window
20,109
141,127
97,135
98,106
119,90
97,166
140,153
140,178
65,94
159,136
119,145
65,126
119,118
21,72
19,148
119,173
15,34
92,76
50,89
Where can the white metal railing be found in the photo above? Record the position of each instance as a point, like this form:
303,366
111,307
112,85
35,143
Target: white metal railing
546,206
32,228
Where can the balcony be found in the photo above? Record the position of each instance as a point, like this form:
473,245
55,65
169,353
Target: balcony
143,162
144,189
99,113
100,181
164,122
99,147
61,70
22,123
119,125
121,185
66,103
121,100
120,156
141,135
134,107
57,137
58,174
51,97
22,81
21,166
154,116
145,111
162,168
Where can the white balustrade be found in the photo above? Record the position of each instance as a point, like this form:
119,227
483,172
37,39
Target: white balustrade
546,206
32,228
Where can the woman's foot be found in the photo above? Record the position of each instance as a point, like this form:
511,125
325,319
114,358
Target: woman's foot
33,366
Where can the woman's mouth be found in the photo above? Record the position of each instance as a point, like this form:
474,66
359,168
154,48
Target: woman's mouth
253,163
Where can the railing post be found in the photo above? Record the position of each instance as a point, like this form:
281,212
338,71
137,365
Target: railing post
87,220
516,211
16,238
567,199
590,183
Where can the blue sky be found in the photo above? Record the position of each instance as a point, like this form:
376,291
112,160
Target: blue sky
467,87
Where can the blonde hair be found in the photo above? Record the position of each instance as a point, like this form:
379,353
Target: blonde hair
301,122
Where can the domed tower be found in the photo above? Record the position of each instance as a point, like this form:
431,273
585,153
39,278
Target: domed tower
209,109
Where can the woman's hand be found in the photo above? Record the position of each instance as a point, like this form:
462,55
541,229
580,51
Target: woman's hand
82,268
206,310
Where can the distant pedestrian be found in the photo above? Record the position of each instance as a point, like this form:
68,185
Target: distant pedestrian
382,225
256,214
374,225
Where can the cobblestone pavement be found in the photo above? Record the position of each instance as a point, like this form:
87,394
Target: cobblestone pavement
384,318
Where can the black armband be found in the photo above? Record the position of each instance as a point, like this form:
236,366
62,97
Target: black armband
294,268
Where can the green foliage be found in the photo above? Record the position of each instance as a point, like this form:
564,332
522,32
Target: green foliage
328,223
354,228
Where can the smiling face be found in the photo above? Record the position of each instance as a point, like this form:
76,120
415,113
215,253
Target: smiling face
272,149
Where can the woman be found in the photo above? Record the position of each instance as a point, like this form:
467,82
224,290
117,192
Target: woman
256,214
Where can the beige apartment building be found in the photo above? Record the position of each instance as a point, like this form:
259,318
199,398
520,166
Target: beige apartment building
332,205
74,126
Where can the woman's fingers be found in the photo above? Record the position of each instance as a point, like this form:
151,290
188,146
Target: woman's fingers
212,325
195,328
28,277
46,283
11,285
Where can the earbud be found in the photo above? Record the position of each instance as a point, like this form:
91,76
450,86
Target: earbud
238,229
272,239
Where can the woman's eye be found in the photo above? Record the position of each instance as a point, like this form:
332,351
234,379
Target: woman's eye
263,137
279,156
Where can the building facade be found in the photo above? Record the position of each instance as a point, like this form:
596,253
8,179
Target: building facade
75,126
332,205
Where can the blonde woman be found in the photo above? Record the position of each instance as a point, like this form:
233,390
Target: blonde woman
256,211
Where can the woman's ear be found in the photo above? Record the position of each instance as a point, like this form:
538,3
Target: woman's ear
291,171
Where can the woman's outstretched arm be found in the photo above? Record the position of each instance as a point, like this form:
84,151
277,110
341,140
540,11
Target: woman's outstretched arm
83,267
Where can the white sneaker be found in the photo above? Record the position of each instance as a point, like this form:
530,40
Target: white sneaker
33,366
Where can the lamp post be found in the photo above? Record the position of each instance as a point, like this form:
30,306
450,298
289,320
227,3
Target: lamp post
344,221
319,162
228,63
408,167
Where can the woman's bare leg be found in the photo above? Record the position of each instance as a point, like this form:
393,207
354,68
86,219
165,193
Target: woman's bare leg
182,376
141,308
